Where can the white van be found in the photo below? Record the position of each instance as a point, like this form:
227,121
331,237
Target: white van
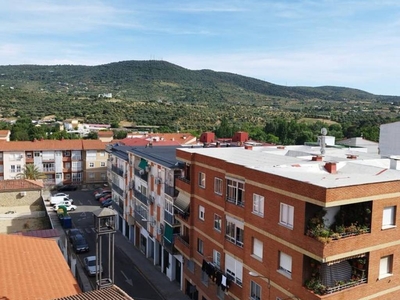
58,199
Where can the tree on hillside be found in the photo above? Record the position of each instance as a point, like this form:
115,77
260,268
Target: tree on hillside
30,171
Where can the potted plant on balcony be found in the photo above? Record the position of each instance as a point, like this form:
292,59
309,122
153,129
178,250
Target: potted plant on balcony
361,263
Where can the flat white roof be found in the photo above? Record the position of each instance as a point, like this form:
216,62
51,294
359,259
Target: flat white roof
295,162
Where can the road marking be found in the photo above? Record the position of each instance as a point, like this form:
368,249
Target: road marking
128,280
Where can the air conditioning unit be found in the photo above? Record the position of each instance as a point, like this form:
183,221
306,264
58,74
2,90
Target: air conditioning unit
141,172
150,200
148,169
158,180
22,194
159,230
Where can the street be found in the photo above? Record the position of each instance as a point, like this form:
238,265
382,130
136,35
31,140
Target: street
127,276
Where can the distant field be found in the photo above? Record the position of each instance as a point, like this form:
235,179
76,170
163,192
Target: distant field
312,120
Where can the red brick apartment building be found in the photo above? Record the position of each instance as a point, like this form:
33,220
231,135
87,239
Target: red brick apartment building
287,223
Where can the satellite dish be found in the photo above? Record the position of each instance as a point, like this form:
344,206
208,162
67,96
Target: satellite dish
324,131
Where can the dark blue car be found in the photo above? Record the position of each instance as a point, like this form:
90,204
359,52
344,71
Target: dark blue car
107,203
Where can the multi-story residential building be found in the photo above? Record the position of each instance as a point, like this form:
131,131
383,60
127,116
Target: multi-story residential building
62,161
143,189
287,223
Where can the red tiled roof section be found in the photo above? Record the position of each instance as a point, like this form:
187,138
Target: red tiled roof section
94,145
20,184
33,268
41,145
143,142
110,293
105,133
4,133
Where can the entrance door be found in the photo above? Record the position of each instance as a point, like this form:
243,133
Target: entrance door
178,271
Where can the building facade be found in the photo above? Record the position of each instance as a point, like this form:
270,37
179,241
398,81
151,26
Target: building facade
287,223
62,161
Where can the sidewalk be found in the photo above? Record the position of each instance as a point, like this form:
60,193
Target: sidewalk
168,289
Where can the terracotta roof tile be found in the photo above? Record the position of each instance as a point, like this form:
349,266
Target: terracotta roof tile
33,268
20,184
105,133
93,145
51,145
110,293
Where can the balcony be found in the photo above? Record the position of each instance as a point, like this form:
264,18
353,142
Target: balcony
142,174
117,170
117,189
325,279
170,190
48,170
182,215
182,244
169,218
141,219
142,198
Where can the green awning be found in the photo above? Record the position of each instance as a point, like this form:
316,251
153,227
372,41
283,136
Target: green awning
143,164
168,232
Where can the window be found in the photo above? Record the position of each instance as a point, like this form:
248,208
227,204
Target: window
233,269
12,169
102,164
200,246
204,278
218,186
217,222
286,215
201,212
285,264
91,175
257,248
202,180
217,258
28,155
36,153
91,165
220,292
234,231
103,176
235,192
258,205
190,265
18,168
385,266
389,217
255,291
66,153
102,153
67,176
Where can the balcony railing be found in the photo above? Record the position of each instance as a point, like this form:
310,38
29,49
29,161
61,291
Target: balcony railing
117,170
117,189
142,198
140,219
170,190
169,218
184,239
142,174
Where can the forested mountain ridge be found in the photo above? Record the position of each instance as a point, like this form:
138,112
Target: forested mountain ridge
164,94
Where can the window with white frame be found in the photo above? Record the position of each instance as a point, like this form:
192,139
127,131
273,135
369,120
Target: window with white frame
102,164
201,212
255,291
91,175
389,217
218,186
286,215
217,258
202,179
67,176
233,269
102,153
37,153
386,266
13,169
258,205
18,168
234,231
200,246
91,154
217,222
285,264
257,248
76,177
103,176
235,191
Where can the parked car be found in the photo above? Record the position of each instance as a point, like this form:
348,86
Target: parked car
61,195
65,202
107,203
73,232
106,197
90,265
99,191
101,195
54,200
79,244
68,187
68,206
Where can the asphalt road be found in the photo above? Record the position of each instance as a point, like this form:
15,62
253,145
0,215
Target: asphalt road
126,275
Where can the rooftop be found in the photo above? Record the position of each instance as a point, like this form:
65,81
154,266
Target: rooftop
48,145
20,184
295,162
33,268
110,293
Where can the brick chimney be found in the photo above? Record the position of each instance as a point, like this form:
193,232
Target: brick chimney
331,167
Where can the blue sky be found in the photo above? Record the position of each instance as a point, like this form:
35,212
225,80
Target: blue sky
296,43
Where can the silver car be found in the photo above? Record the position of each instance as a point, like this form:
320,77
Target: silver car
90,265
